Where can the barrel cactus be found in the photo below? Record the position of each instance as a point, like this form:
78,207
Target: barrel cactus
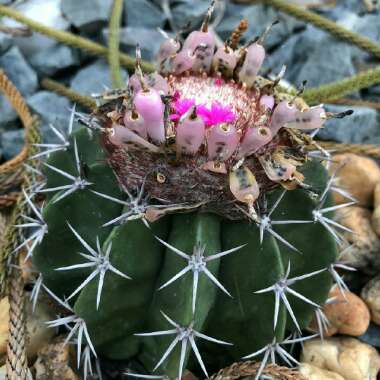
189,223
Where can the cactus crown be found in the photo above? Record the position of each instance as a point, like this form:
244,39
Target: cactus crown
190,215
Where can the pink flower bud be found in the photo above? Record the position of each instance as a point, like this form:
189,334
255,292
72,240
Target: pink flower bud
254,139
134,122
222,141
202,45
267,102
243,185
252,63
151,108
134,83
167,50
158,82
122,136
312,118
282,114
183,61
277,169
190,134
225,61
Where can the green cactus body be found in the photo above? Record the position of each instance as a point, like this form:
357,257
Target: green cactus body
60,247
134,306
124,304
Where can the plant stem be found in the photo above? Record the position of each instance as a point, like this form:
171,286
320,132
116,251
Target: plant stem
71,39
336,90
113,44
357,103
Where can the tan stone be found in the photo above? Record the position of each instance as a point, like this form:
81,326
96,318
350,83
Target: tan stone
28,274
348,314
53,362
348,357
4,315
371,296
358,175
376,196
376,212
376,220
37,331
365,251
312,372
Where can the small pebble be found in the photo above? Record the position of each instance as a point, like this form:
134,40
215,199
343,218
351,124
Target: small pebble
38,332
376,211
53,362
347,314
364,253
4,312
312,372
358,175
371,296
348,357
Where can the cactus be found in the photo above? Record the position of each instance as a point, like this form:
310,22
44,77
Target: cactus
189,224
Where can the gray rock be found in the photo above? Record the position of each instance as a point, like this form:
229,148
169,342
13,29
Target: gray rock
12,143
45,12
329,62
189,11
143,13
87,15
52,109
49,61
260,16
361,127
22,75
320,58
356,6
374,90
19,71
287,54
5,41
148,39
368,26
372,336
313,56
93,78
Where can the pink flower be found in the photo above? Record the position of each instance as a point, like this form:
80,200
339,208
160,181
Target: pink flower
181,107
219,82
217,115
